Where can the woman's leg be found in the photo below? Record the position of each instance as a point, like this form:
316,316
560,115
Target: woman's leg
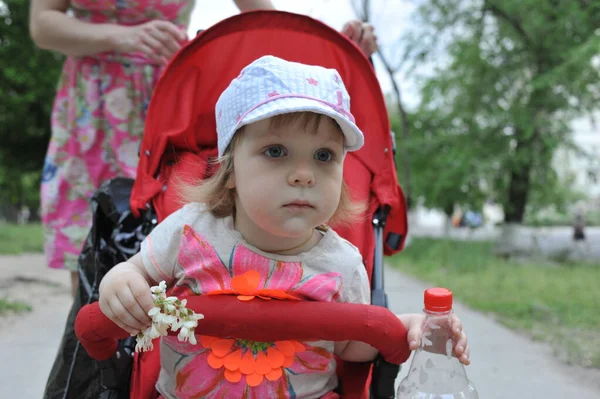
74,283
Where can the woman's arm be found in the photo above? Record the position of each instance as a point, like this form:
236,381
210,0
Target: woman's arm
52,29
251,5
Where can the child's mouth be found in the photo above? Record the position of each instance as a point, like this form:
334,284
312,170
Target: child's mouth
299,205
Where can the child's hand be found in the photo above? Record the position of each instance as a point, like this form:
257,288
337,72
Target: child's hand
414,325
125,298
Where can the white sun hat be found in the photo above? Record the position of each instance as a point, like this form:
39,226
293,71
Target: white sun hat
272,86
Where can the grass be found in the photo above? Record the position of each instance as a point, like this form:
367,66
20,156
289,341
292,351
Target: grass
17,239
554,303
8,306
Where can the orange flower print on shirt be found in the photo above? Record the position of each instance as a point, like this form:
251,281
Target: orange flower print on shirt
254,361
233,368
246,288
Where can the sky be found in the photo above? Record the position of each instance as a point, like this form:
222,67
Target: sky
388,16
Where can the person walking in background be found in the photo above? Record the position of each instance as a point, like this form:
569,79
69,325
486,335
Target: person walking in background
579,225
580,245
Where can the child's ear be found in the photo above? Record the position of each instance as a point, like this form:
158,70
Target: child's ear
230,182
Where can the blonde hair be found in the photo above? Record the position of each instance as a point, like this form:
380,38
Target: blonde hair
217,193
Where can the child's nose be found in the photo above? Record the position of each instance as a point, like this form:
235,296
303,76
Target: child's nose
301,175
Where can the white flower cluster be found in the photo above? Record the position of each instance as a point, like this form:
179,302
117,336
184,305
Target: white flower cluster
168,312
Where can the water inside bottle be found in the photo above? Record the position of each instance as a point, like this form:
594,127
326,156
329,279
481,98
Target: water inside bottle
436,376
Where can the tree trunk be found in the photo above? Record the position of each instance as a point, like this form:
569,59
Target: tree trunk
514,239
519,185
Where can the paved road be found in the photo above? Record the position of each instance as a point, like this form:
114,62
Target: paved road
28,343
505,364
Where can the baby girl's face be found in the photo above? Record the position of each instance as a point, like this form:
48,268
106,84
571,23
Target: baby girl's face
288,180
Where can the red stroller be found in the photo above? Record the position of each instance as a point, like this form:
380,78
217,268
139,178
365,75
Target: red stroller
180,138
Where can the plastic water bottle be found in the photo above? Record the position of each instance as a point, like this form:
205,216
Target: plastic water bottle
434,372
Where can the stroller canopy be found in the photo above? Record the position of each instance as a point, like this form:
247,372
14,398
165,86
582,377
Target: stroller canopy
181,113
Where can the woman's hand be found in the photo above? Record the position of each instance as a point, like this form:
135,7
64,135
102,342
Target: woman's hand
52,29
414,325
158,40
363,34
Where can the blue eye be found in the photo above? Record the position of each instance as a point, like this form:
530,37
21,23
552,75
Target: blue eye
275,151
324,156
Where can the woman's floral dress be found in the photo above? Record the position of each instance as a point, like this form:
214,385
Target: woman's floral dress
97,123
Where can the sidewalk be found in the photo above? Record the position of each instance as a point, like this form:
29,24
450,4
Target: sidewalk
505,365
29,341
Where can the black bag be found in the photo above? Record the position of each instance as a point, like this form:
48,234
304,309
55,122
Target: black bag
115,236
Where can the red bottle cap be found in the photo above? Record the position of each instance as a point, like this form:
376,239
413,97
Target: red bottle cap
438,299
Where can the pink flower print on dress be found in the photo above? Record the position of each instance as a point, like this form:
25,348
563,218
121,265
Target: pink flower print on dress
312,81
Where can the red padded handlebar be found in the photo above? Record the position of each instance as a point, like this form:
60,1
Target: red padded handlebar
264,321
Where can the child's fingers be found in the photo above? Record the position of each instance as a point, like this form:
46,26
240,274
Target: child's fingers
414,334
456,325
134,309
460,340
461,348
118,314
143,296
413,340
464,358
124,318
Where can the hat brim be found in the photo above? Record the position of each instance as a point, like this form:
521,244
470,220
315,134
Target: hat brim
353,137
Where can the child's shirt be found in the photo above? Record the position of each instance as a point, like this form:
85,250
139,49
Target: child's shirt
196,253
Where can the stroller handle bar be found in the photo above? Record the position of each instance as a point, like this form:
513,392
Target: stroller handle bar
265,321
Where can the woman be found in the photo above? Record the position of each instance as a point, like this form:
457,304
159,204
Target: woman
115,52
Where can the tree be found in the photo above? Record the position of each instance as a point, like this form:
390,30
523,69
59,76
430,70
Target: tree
28,78
509,77
444,173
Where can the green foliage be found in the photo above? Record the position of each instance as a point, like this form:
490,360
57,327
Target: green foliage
552,217
508,288
443,172
8,306
18,239
508,77
28,78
